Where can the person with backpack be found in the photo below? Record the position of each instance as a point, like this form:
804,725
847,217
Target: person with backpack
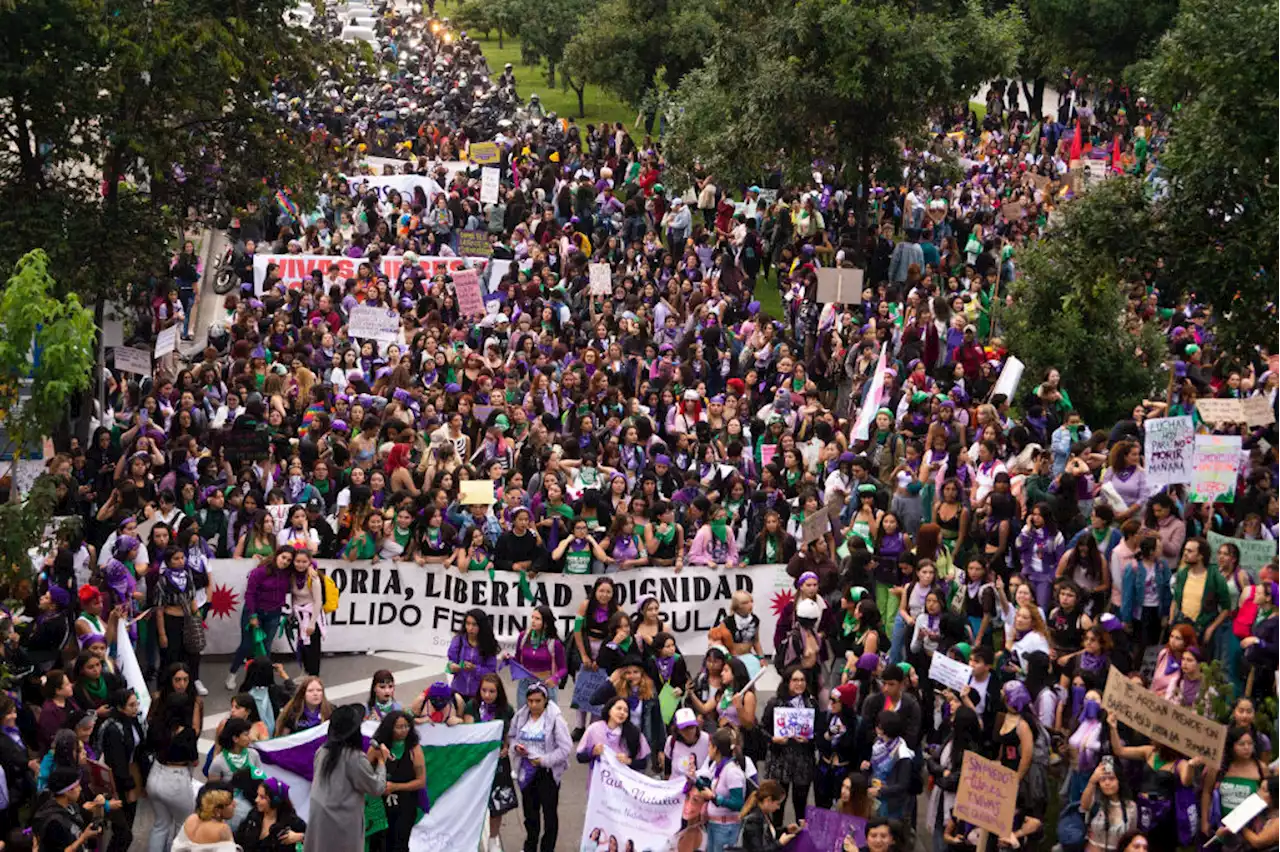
119,737
309,600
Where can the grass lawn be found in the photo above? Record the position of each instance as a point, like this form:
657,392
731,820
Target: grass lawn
599,105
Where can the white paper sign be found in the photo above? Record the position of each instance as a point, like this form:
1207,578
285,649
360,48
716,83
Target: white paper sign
368,323
130,360
490,177
1010,375
601,279
627,810
1243,813
1170,445
952,674
167,341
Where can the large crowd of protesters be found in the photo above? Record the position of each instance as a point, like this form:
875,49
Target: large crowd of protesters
668,422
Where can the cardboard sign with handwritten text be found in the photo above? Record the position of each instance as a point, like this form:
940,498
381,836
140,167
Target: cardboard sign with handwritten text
1180,728
987,794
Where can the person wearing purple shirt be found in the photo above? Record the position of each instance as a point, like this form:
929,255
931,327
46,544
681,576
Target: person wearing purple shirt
1040,546
264,596
1125,475
472,654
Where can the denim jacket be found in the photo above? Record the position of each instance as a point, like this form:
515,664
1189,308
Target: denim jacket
1134,578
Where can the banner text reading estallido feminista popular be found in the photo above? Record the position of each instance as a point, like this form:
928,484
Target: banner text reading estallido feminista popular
402,606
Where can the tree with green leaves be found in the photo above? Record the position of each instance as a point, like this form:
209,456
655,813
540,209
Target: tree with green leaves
47,355
1067,306
634,47
547,34
124,116
1220,218
788,83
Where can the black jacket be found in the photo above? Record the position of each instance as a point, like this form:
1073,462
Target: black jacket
908,711
758,833
120,738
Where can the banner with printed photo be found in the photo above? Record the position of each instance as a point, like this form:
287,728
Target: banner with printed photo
403,606
627,810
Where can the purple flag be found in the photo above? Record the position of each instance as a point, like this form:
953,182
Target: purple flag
519,672
828,829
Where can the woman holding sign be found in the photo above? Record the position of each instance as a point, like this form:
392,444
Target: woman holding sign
1163,772
790,760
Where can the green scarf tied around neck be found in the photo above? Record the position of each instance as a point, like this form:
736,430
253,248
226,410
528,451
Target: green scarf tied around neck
720,529
849,626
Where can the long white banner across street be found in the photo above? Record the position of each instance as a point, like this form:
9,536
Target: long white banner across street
402,606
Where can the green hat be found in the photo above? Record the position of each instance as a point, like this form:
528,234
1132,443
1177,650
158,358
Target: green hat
501,423
657,187
1192,348
857,593
907,669
964,649
866,488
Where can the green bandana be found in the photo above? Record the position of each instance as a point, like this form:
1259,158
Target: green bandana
720,529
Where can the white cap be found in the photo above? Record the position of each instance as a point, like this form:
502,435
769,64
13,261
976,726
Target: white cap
808,608
685,718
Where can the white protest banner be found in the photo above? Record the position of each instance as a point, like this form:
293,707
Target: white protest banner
383,185
490,178
403,606
497,270
1214,468
167,341
293,269
627,810
380,324
466,285
1182,729
1010,375
952,674
871,401
130,360
1169,447
601,281
131,671
793,722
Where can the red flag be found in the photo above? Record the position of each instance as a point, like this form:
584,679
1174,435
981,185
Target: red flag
1117,152
1077,149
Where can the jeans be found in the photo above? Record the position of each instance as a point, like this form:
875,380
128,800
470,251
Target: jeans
721,835
187,296
172,801
898,641
541,799
268,621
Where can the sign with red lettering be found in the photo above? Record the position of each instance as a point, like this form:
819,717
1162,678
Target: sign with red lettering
293,269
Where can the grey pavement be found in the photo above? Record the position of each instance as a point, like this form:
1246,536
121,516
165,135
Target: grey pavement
347,680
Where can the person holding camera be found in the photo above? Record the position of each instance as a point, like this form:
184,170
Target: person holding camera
62,822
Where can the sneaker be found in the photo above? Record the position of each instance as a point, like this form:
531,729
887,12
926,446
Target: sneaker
577,733
201,689
230,682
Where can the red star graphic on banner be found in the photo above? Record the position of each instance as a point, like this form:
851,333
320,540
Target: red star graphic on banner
223,601
780,601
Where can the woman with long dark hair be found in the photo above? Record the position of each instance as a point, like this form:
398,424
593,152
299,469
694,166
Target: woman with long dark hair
473,653
966,735
406,777
273,825
343,774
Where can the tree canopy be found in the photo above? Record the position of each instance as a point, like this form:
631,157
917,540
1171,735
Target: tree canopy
126,113
787,83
